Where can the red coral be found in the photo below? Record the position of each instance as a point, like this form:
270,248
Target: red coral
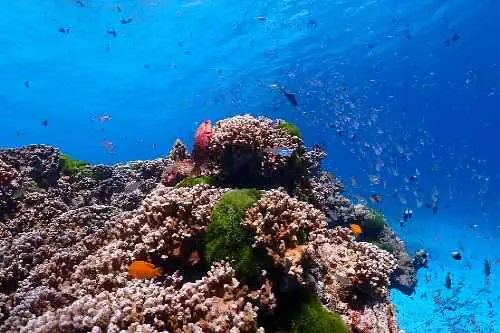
201,141
174,173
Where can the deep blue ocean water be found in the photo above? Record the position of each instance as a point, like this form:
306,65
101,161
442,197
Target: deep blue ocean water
403,95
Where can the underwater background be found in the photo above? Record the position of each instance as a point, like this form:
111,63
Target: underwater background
403,95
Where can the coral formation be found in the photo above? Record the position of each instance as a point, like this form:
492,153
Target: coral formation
281,225
245,145
154,246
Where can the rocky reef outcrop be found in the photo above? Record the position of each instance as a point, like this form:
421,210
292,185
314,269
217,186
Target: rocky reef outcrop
252,236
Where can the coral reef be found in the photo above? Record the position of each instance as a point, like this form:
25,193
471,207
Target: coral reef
274,256
245,145
281,225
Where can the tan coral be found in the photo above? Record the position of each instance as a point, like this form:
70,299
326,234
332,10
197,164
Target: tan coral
281,224
247,134
7,173
347,270
216,303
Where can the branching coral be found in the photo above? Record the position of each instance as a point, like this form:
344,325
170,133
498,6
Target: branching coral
67,246
216,303
281,225
251,146
346,271
7,173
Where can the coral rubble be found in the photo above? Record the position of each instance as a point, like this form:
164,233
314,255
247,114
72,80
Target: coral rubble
249,235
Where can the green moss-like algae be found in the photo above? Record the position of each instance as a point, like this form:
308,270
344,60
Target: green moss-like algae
71,167
290,128
305,313
190,181
373,225
225,238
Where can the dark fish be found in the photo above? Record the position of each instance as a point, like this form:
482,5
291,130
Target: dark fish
487,268
80,3
19,194
456,255
27,84
45,123
375,198
313,23
407,215
126,21
111,32
291,97
447,281
64,31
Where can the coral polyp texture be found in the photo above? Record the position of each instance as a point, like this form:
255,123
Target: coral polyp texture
250,237
257,147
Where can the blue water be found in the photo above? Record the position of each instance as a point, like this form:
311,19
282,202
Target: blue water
413,87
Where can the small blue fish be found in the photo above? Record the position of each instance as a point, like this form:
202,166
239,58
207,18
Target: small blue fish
283,152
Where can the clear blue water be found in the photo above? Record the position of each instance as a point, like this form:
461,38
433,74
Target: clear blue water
411,85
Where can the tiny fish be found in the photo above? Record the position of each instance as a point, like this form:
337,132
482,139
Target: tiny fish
194,258
281,151
375,198
143,270
487,268
456,255
45,123
126,21
133,186
111,32
108,145
19,194
447,281
103,118
356,229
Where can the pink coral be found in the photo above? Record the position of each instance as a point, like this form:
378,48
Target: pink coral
202,139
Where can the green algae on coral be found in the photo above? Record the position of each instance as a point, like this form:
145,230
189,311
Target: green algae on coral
191,181
302,311
314,318
373,225
290,128
226,239
71,167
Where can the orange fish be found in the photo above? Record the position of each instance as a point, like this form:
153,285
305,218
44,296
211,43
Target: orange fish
356,229
143,270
